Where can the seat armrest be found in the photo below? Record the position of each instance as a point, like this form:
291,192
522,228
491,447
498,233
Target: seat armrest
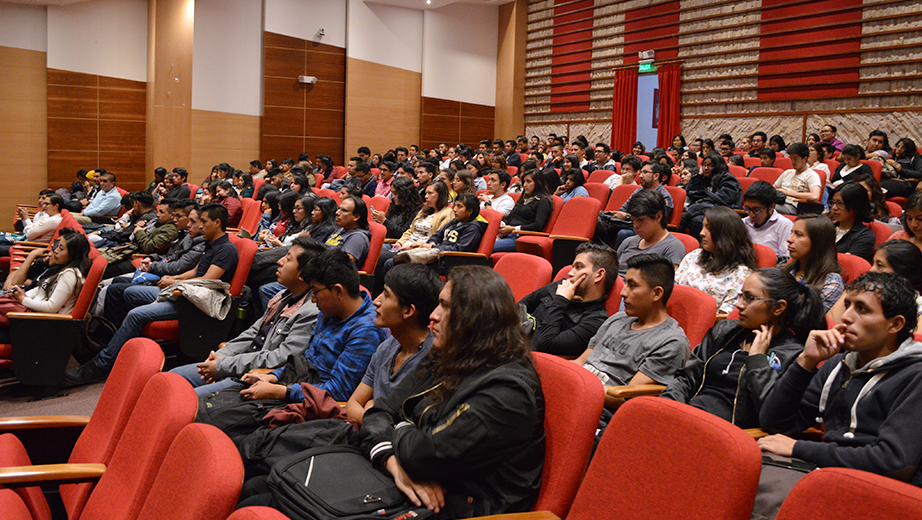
221,345
42,421
529,515
463,254
755,433
565,237
29,243
523,233
628,391
38,316
261,371
20,476
720,317
390,240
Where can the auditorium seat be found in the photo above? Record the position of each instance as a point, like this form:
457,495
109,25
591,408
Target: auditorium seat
575,225
769,175
738,171
845,494
690,242
678,205
765,256
852,266
523,273
483,254
598,191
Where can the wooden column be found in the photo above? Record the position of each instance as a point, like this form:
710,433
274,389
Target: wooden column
510,70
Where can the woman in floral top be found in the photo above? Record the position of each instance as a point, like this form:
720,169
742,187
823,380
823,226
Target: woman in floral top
723,261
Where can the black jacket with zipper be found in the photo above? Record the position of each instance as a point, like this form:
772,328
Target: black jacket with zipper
725,380
484,443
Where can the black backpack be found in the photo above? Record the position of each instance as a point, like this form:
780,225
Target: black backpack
338,483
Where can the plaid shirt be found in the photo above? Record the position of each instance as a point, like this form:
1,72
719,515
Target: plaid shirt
341,351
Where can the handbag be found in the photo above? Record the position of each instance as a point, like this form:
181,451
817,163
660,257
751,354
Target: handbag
338,483
9,304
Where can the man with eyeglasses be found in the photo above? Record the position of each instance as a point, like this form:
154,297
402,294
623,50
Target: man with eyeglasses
353,236
765,225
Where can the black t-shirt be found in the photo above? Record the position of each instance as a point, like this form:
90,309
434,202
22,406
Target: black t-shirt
221,253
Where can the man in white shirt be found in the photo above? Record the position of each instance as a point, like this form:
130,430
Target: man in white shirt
497,198
765,225
630,165
799,182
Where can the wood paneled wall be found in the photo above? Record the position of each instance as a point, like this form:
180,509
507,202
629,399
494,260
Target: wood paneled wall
298,117
96,122
452,122
23,132
222,137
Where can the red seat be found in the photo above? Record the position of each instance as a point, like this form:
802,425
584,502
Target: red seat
895,209
257,183
844,494
852,266
746,182
327,193
599,176
380,203
898,200
378,233
881,232
252,213
573,400
769,175
340,171
193,189
512,170
670,457
576,224
876,167
695,311
765,256
690,242
200,478
674,180
600,192
783,162
620,195
136,363
678,205
318,180
20,250
523,273
256,513
166,404
612,302
738,171
752,162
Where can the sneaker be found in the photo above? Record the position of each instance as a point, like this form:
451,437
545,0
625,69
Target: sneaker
88,373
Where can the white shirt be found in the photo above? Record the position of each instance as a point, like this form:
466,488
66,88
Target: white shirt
503,204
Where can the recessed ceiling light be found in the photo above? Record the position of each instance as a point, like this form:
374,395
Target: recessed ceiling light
428,2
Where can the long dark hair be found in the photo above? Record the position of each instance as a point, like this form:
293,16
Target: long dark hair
731,241
821,260
405,199
909,148
720,167
442,190
879,209
78,250
905,259
272,199
327,222
540,190
913,202
287,203
856,199
483,330
360,210
805,311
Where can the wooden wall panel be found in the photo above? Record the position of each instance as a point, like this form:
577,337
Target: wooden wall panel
298,117
23,131
96,122
451,122
382,106
221,137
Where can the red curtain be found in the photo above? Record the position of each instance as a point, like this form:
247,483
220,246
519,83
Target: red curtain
624,110
670,86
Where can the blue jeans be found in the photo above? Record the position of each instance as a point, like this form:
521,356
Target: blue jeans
267,291
505,244
142,312
190,373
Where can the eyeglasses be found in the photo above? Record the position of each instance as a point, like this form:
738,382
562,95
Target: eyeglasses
344,210
754,211
747,299
837,203
707,165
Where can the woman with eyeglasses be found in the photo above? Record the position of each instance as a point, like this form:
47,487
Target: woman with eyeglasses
738,362
850,209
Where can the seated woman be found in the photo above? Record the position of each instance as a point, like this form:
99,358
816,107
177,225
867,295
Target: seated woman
301,218
850,167
812,139
470,440
678,145
879,209
745,144
300,184
713,186
912,221
56,289
776,143
638,148
812,246
462,233
223,193
530,213
893,256
572,186
723,261
738,362
851,209
323,219
285,219
447,176
243,183
405,204
269,205
689,168
463,183
908,166
816,158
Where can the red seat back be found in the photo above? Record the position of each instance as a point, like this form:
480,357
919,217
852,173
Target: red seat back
523,273
137,361
193,189
843,494
380,203
695,311
852,266
769,175
200,478
512,170
675,454
257,183
318,179
895,209
599,176
612,302
378,233
783,162
326,193
88,290
599,192
620,195
252,213
881,232
340,171
765,256
578,218
573,403
14,508
257,513
752,162
555,213
738,171
166,405
246,251
876,167
746,182
494,219
678,204
690,242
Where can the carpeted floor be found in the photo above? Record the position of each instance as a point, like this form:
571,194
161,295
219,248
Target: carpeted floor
68,401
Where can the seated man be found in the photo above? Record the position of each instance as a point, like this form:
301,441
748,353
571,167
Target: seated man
497,198
630,165
462,233
218,262
155,236
765,225
867,392
352,237
565,315
800,182
615,227
642,344
647,211
105,203
343,340
139,208
283,330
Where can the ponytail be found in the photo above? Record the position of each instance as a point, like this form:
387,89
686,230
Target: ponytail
805,311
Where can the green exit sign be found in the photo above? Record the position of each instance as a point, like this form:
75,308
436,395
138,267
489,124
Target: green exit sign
646,67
